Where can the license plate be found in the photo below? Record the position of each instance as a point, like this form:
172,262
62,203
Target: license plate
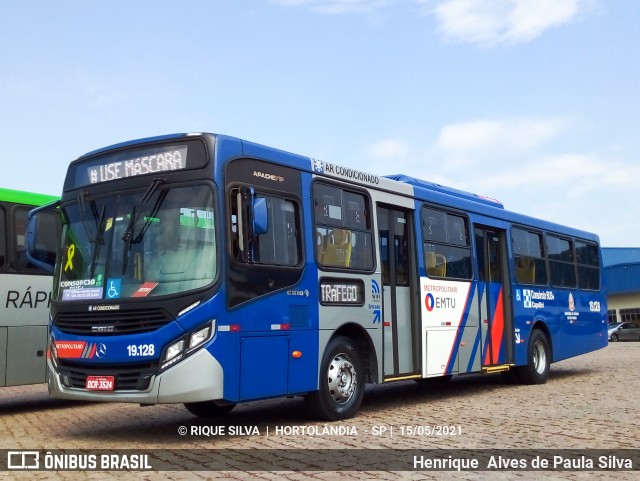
100,383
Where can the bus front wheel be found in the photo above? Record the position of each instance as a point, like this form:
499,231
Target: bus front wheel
208,409
341,388
536,371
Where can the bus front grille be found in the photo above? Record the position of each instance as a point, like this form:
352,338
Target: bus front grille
136,377
110,324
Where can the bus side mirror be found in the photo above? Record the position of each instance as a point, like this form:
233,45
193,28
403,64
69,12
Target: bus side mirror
251,222
260,216
41,242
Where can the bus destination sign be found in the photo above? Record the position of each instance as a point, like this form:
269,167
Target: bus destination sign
138,163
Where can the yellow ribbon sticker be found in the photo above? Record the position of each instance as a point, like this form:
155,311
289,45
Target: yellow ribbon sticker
70,253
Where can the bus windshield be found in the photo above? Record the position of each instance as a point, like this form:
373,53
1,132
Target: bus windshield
151,242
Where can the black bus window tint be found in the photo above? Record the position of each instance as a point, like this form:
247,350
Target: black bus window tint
355,211
361,251
45,249
328,205
234,227
279,245
530,265
356,220
447,252
383,229
342,230
562,268
588,263
458,262
587,254
434,230
19,240
3,240
433,225
456,230
401,250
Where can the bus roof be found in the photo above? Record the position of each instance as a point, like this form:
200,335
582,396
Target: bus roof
447,190
26,198
485,206
399,183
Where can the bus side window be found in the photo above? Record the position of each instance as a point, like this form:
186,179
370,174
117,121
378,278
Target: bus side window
561,262
447,250
279,245
45,249
588,263
343,228
528,253
3,241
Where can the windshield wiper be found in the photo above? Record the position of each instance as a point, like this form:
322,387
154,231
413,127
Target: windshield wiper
98,242
127,236
86,223
96,238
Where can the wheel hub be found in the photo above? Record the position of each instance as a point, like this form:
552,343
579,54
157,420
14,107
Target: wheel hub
342,378
539,357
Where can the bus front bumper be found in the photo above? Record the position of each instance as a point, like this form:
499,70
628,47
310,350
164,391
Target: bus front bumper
198,378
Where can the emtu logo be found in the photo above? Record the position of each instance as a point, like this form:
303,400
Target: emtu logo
429,302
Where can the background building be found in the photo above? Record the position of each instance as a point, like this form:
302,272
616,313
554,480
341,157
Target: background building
622,282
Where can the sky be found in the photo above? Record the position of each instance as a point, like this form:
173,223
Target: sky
532,102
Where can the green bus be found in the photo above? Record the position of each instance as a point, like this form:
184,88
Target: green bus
25,289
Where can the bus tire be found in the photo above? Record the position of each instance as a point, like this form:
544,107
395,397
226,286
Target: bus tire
536,371
341,387
208,409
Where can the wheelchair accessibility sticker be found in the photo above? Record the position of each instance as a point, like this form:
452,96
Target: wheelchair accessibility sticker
113,288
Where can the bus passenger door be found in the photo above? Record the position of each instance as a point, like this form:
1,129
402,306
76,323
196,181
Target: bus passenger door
397,254
494,294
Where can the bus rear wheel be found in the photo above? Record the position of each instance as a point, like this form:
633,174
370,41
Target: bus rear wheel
208,409
536,371
341,388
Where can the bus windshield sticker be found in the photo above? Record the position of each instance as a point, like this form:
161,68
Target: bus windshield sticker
113,288
71,251
82,293
145,289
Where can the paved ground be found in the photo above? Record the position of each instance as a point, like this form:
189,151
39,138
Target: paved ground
590,402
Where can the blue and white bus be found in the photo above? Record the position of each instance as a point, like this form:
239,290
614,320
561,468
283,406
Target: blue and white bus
207,270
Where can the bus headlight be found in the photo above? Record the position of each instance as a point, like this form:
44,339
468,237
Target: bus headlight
199,337
186,345
174,350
